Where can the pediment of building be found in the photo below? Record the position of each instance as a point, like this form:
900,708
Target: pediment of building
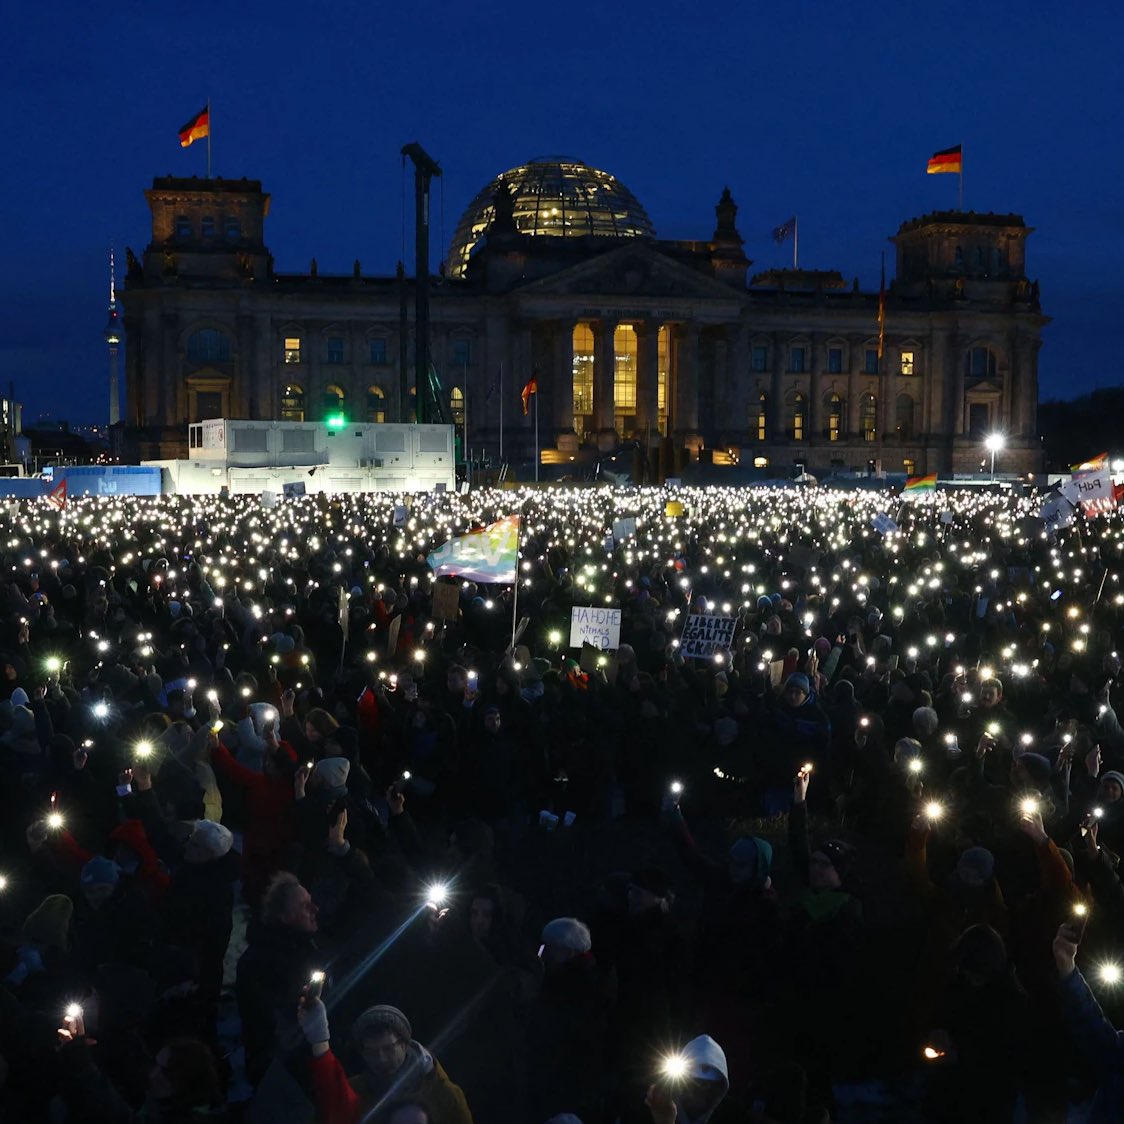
632,270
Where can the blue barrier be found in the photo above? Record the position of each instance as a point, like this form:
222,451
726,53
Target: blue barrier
86,480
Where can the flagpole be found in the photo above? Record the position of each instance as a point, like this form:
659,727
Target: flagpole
467,468
795,240
961,175
209,130
515,587
501,414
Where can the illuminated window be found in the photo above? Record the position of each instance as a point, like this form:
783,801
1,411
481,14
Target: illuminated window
797,415
376,405
333,400
335,350
292,349
834,360
378,352
904,416
583,377
757,416
796,357
870,366
868,417
980,363
759,358
663,346
208,345
292,403
624,376
456,405
834,417
462,352
910,467
760,462
907,363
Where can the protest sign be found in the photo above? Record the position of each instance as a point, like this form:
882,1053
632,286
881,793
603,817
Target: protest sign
446,600
293,489
622,528
704,635
392,635
883,524
599,626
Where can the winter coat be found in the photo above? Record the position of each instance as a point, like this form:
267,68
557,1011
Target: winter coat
271,972
343,1100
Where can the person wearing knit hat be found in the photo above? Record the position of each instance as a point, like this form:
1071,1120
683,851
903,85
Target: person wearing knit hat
208,841
975,867
330,773
99,880
48,924
1110,790
565,938
396,1069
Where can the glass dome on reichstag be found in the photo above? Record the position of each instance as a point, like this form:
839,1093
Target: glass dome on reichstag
557,196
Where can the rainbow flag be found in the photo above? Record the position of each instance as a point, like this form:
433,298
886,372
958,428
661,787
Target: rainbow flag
488,555
920,485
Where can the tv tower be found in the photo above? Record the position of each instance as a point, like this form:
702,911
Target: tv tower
113,338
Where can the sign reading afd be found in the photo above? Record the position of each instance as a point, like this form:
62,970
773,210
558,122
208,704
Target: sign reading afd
600,627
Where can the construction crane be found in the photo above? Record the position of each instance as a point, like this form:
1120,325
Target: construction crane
427,387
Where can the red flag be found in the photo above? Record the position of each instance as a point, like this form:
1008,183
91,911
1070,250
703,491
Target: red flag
197,128
56,497
532,387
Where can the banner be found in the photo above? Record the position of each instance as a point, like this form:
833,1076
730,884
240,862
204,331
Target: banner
704,635
598,627
1094,491
622,528
1056,512
883,524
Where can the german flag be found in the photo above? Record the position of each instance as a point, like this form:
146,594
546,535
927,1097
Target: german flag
947,160
532,387
197,128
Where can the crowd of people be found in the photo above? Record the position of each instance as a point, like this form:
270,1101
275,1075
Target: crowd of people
284,835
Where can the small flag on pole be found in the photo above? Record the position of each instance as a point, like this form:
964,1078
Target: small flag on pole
947,160
56,497
785,230
882,310
532,387
197,128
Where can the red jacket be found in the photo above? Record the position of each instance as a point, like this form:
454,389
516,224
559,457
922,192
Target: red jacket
268,801
150,876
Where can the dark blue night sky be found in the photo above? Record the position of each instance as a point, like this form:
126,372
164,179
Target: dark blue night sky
827,110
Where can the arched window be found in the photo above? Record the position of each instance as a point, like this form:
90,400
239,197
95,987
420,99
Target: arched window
903,423
980,363
456,405
292,402
624,377
797,417
868,417
376,405
834,409
334,401
758,425
583,377
208,345
663,348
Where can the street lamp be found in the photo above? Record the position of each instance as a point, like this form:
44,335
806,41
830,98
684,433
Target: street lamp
994,443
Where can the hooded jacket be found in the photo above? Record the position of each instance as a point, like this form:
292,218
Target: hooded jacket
706,1063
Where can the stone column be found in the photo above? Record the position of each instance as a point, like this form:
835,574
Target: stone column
815,389
647,380
497,359
714,409
172,391
957,405
686,418
854,392
739,385
775,424
604,373
244,390
561,390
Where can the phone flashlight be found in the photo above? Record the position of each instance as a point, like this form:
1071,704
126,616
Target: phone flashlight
437,895
74,1010
143,750
674,1067
315,985
216,726
676,788
915,765
931,1053
934,810
1029,806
